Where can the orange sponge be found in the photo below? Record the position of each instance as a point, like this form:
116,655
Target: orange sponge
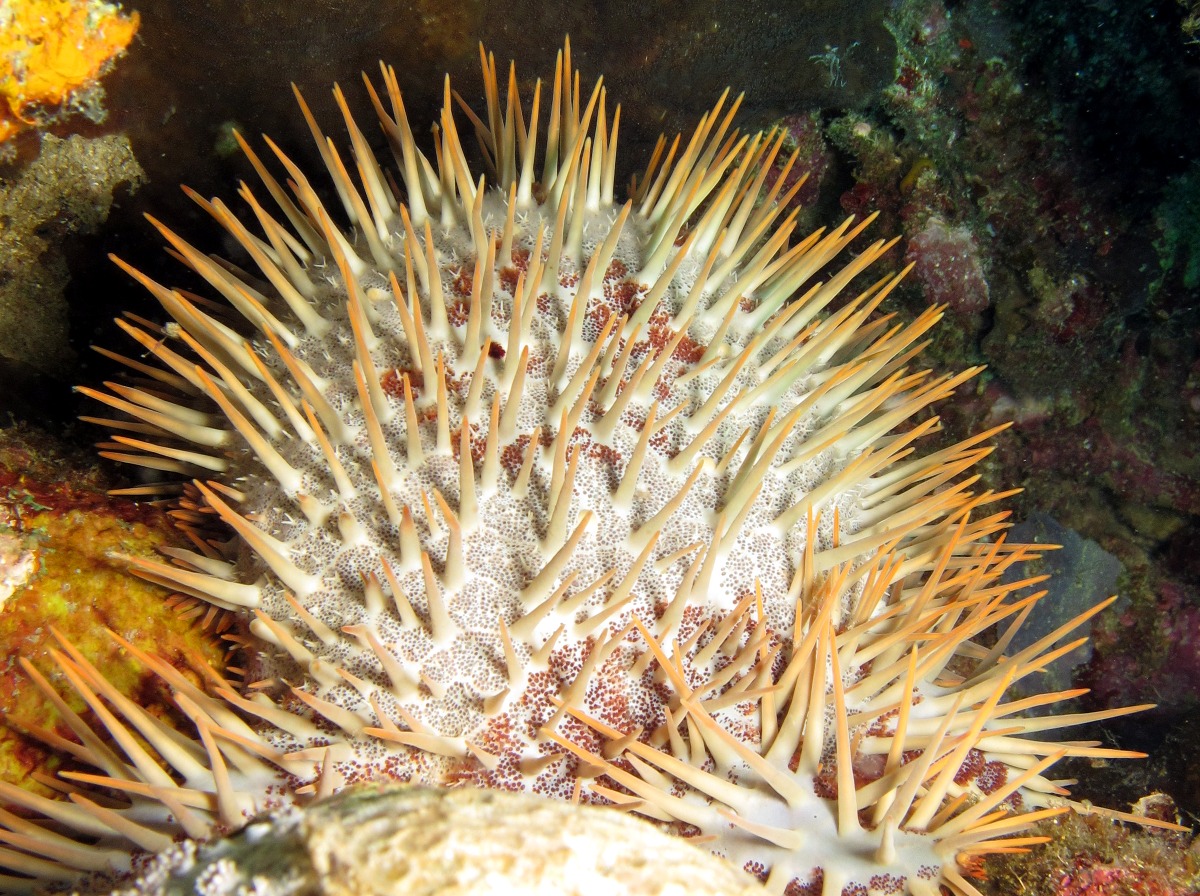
51,48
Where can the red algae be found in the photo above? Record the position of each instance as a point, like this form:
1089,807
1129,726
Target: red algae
1092,856
946,262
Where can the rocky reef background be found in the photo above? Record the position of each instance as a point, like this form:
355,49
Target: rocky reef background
1041,161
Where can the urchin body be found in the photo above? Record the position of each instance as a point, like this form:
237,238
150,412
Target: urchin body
541,492
479,675
454,655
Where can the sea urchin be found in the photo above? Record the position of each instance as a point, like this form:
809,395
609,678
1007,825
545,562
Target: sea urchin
540,492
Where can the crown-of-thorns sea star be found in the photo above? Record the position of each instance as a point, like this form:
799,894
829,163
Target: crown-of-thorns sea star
540,492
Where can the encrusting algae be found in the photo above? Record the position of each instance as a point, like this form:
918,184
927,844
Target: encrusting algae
538,491
58,538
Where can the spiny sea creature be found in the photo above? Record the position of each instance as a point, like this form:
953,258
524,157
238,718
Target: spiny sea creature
536,491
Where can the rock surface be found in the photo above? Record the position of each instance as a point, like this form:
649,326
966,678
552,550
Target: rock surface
409,841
